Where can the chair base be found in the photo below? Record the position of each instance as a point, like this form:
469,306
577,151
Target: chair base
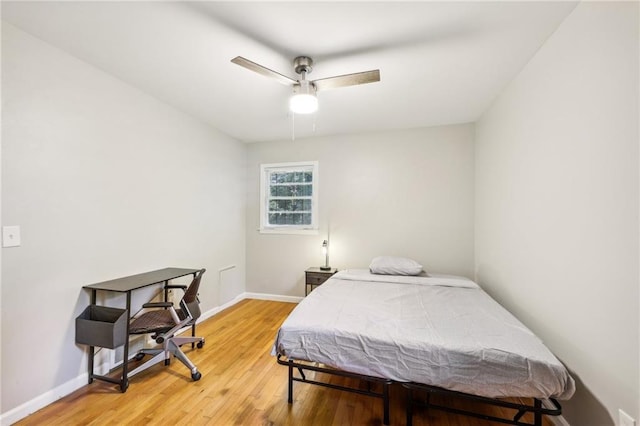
170,346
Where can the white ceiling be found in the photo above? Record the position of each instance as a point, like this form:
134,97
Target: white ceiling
440,62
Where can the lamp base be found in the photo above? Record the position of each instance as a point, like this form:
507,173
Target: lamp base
325,268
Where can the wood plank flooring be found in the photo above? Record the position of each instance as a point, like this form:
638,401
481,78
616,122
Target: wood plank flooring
241,385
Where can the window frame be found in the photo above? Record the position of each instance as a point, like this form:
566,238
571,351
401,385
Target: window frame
265,197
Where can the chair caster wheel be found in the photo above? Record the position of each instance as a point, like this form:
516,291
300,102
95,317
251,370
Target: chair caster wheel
196,376
124,386
200,344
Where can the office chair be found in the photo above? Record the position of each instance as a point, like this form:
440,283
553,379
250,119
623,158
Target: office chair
165,323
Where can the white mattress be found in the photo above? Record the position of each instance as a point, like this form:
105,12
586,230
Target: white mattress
440,330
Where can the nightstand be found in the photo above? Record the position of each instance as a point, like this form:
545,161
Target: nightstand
315,276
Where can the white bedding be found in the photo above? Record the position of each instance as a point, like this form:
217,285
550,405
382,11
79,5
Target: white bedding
438,330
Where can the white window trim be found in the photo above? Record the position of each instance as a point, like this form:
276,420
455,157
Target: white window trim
265,228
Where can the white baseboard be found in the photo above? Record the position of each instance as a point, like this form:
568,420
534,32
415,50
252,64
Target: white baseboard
274,297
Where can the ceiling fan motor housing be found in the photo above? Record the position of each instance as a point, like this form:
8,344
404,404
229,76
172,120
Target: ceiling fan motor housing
303,64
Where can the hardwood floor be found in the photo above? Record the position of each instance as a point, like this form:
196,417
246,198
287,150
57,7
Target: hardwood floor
241,385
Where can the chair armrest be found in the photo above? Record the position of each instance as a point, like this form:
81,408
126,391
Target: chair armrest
158,305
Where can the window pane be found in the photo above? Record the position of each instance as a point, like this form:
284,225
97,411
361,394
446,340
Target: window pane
279,205
280,191
289,205
290,218
290,177
277,191
303,190
306,218
273,219
280,177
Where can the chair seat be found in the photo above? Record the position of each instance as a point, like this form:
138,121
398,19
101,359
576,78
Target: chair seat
165,324
157,321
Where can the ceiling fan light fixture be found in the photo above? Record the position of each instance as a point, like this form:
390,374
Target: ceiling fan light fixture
304,99
303,104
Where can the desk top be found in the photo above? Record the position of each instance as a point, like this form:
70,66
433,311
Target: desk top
134,282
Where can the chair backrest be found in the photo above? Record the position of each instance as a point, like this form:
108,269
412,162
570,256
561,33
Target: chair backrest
190,304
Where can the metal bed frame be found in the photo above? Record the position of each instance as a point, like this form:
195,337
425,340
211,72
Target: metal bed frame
520,408
384,395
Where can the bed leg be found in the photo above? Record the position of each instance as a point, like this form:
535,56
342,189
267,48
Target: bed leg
409,407
290,399
385,402
537,415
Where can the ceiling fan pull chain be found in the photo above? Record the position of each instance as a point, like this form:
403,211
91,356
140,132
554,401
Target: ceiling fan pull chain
293,126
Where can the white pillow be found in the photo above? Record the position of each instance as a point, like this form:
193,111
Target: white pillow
389,265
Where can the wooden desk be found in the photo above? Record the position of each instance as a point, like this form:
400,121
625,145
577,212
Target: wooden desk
127,285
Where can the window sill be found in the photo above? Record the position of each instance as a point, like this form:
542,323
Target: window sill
288,231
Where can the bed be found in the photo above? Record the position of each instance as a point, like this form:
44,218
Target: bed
431,333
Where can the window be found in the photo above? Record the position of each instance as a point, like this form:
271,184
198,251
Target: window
289,197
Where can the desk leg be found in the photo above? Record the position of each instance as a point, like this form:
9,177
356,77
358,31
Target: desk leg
193,327
124,384
92,351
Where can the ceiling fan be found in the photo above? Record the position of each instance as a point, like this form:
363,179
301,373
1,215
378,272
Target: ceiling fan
304,100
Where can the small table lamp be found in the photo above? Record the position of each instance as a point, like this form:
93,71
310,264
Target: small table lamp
325,251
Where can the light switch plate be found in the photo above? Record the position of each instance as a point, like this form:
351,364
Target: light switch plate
10,236
625,419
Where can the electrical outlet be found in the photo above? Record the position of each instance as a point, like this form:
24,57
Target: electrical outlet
624,419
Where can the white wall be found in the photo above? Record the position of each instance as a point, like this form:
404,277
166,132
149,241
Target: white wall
406,193
557,204
105,181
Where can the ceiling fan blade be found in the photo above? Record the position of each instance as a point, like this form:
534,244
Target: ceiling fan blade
250,65
347,80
